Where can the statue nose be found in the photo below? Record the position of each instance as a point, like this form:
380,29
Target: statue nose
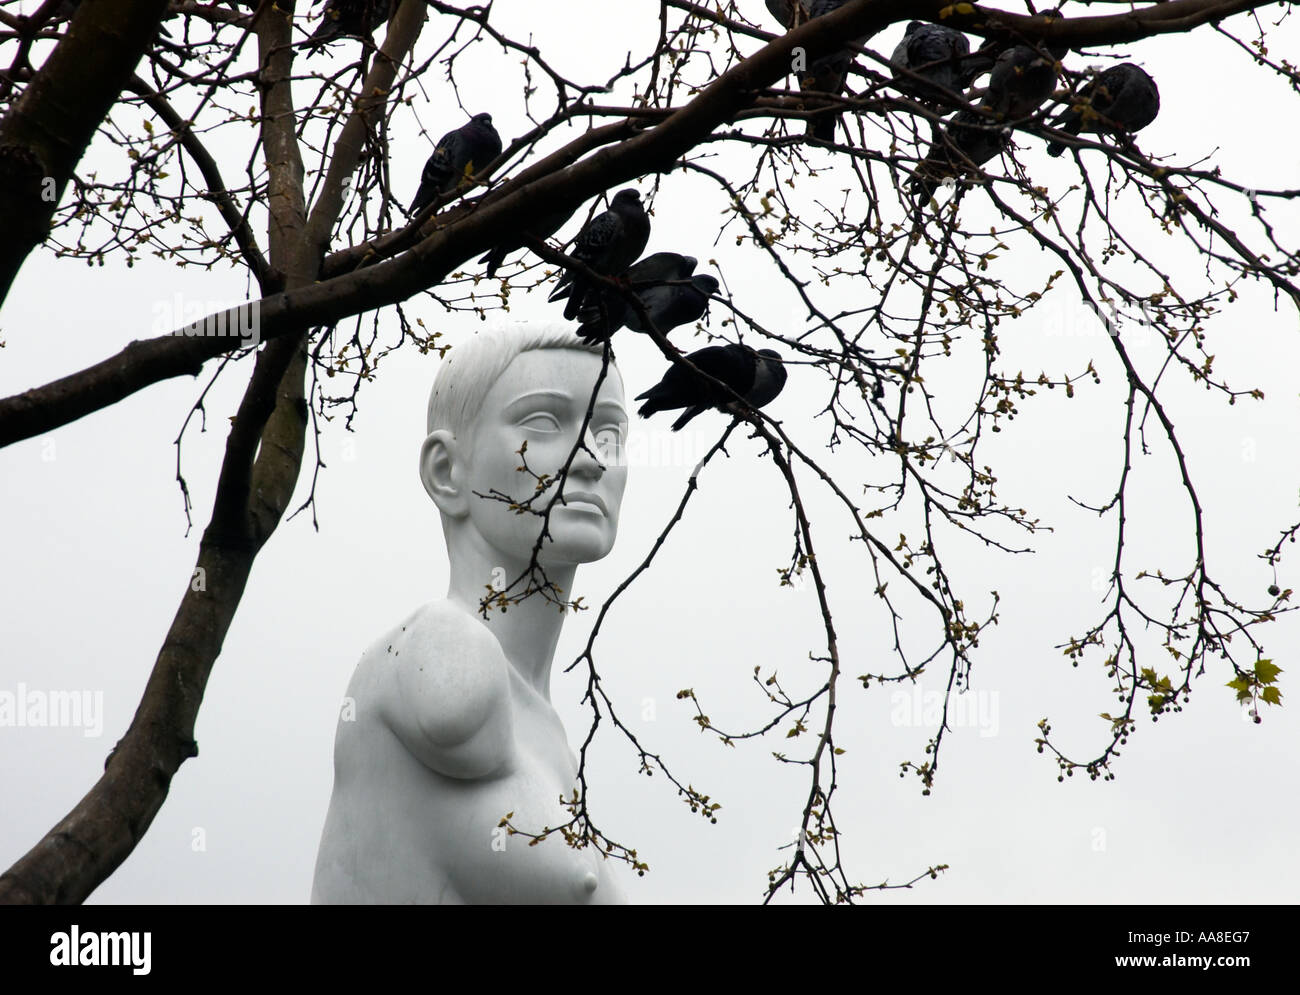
586,460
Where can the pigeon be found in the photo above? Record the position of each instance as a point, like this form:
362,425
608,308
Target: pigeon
1020,82
827,74
1120,101
937,53
667,306
603,313
349,19
1022,79
758,377
609,243
458,155
542,230
970,140
654,268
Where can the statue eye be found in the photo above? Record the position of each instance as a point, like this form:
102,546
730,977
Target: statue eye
541,421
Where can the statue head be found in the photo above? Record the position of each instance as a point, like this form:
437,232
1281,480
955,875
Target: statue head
510,389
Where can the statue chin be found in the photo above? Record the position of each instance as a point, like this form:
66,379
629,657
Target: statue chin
577,537
449,759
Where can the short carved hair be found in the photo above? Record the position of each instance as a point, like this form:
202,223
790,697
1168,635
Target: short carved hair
471,368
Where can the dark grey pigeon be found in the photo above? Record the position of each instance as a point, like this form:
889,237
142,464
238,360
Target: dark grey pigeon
936,53
1120,101
542,230
827,74
604,313
348,19
969,140
654,268
667,306
609,243
1020,82
756,376
1022,79
458,155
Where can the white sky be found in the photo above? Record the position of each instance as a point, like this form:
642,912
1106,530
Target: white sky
1203,809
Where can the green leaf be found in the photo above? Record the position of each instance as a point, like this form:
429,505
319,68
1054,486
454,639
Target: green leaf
1272,695
1266,671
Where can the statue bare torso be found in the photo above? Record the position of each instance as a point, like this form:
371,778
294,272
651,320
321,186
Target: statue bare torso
446,739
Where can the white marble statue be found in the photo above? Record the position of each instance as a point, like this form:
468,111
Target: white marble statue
448,723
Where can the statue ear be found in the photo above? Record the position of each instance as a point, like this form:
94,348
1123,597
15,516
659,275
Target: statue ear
440,472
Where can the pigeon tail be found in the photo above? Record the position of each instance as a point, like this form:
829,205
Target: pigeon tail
687,415
573,305
823,128
325,32
652,404
494,259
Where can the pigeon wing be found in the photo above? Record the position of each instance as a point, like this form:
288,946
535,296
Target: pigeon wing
439,174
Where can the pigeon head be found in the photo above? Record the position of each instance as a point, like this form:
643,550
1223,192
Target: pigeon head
914,26
769,378
705,284
628,196
482,119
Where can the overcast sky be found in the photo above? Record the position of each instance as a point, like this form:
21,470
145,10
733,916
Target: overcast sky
1203,808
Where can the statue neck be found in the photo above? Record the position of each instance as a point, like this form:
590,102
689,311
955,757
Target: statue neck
530,629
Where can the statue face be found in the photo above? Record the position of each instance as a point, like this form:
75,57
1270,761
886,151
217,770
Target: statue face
541,399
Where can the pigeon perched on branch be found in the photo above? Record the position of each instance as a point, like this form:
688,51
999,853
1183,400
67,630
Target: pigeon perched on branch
458,155
667,305
1119,101
1021,81
758,377
603,313
1023,77
939,54
608,244
348,19
654,268
969,140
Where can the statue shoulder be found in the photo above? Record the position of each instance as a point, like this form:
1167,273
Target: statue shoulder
444,633
448,690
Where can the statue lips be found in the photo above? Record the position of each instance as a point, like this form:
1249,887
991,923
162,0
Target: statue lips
584,497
